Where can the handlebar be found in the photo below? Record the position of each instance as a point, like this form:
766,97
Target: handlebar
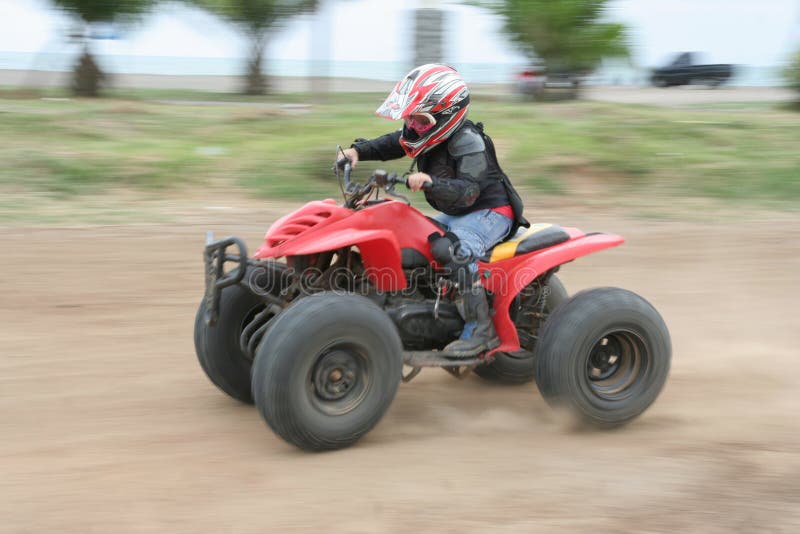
354,193
425,186
344,163
383,179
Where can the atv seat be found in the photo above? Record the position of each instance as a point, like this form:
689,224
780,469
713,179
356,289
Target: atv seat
538,236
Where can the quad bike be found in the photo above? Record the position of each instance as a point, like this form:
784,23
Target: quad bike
319,341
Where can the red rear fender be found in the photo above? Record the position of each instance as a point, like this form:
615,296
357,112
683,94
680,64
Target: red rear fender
508,277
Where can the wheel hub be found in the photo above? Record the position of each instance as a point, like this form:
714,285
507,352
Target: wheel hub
604,359
616,363
336,374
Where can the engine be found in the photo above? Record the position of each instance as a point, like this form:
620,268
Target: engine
418,326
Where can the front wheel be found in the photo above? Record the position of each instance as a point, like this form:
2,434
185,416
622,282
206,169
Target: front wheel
605,354
327,370
218,346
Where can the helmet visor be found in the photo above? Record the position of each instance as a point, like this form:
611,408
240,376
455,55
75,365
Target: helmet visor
420,122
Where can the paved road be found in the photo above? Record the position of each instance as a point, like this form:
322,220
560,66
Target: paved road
690,95
678,96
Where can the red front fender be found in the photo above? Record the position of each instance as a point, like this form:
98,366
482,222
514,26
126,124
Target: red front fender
379,250
508,277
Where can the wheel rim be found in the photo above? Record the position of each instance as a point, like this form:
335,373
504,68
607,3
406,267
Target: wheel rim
616,364
339,379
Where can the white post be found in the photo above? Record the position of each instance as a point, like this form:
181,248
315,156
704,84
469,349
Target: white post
428,32
319,66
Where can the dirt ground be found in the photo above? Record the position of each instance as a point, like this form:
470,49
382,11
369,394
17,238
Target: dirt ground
109,425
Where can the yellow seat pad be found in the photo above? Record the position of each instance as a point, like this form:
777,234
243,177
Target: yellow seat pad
529,239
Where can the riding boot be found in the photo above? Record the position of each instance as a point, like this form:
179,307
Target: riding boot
478,335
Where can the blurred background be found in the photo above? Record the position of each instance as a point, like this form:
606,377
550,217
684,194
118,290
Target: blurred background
315,70
129,128
490,42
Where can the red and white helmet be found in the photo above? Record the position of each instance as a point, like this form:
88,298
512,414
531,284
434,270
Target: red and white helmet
434,90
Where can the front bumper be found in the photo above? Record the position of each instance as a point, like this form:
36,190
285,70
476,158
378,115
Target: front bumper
215,256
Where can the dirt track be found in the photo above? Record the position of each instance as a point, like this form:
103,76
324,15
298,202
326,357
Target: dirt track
109,425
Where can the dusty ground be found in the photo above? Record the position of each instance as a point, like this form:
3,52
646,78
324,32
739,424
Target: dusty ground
109,425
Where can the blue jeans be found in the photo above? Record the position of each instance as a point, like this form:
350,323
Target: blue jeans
477,232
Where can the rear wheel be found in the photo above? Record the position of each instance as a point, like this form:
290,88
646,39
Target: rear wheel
519,368
605,354
218,346
331,371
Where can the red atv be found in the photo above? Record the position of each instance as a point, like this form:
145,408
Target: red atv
319,341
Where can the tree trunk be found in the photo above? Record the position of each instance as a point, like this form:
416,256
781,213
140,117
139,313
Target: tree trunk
255,81
87,76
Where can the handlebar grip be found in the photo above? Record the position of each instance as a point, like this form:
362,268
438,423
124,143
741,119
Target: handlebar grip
341,162
425,186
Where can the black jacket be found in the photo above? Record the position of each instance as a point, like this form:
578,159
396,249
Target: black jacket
465,175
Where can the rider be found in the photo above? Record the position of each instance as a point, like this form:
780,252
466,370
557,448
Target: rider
459,176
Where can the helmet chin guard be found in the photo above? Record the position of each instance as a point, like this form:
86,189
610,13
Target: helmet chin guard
433,89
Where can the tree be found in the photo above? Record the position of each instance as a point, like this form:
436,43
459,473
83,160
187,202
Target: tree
87,75
567,35
256,18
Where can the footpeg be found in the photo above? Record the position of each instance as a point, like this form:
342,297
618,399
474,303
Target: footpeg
438,358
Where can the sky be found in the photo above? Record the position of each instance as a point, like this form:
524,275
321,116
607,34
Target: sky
753,32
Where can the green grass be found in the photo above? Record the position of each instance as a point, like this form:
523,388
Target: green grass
135,140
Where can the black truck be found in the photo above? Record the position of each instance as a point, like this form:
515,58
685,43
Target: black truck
684,71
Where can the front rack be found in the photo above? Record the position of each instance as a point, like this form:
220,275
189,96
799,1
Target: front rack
215,256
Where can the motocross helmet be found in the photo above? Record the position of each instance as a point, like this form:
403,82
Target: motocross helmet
438,93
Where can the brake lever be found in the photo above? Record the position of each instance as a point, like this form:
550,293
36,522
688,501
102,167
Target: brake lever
389,189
